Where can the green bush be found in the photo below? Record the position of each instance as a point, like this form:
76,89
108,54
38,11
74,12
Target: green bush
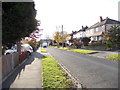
96,43
85,41
109,44
34,45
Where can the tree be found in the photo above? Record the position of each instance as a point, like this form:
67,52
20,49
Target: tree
113,36
18,21
58,37
33,43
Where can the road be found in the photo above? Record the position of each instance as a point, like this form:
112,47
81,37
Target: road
92,72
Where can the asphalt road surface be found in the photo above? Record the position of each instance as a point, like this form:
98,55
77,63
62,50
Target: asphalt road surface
92,72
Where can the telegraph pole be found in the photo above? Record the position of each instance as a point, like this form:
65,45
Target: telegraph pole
62,37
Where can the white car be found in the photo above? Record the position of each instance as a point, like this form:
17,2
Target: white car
44,44
24,47
12,50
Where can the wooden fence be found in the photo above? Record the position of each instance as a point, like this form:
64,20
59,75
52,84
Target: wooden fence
9,62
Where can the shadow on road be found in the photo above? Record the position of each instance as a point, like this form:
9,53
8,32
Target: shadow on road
7,83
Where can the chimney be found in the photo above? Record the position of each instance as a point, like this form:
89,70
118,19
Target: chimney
82,27
101,19
106,17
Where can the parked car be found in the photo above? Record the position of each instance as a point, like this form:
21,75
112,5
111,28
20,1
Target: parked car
44,45
12,50
24,48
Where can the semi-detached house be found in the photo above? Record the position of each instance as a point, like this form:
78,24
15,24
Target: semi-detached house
96,31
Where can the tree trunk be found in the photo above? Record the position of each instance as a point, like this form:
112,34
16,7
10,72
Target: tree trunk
19,47
58,45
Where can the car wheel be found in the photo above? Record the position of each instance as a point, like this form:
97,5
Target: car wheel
29,53
7,53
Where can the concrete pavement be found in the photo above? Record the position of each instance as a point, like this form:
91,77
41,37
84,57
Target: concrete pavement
28,75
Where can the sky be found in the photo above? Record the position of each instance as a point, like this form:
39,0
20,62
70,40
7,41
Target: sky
73,14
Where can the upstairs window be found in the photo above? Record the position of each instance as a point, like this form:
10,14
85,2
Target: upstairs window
96,29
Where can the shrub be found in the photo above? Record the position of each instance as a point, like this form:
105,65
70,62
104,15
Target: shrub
34,45
85,41
96,43
109,44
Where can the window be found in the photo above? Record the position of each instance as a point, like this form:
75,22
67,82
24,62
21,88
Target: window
91,31
92,38
97,38
96,29
100,38
103,27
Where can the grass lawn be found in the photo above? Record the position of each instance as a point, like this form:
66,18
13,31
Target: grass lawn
83,51
114,57
53,76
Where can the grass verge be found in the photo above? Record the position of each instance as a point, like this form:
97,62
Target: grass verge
83,51
53,76
42,50
53,46
65,48
114,57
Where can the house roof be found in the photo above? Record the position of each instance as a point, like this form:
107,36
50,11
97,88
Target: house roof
75,32
105,21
